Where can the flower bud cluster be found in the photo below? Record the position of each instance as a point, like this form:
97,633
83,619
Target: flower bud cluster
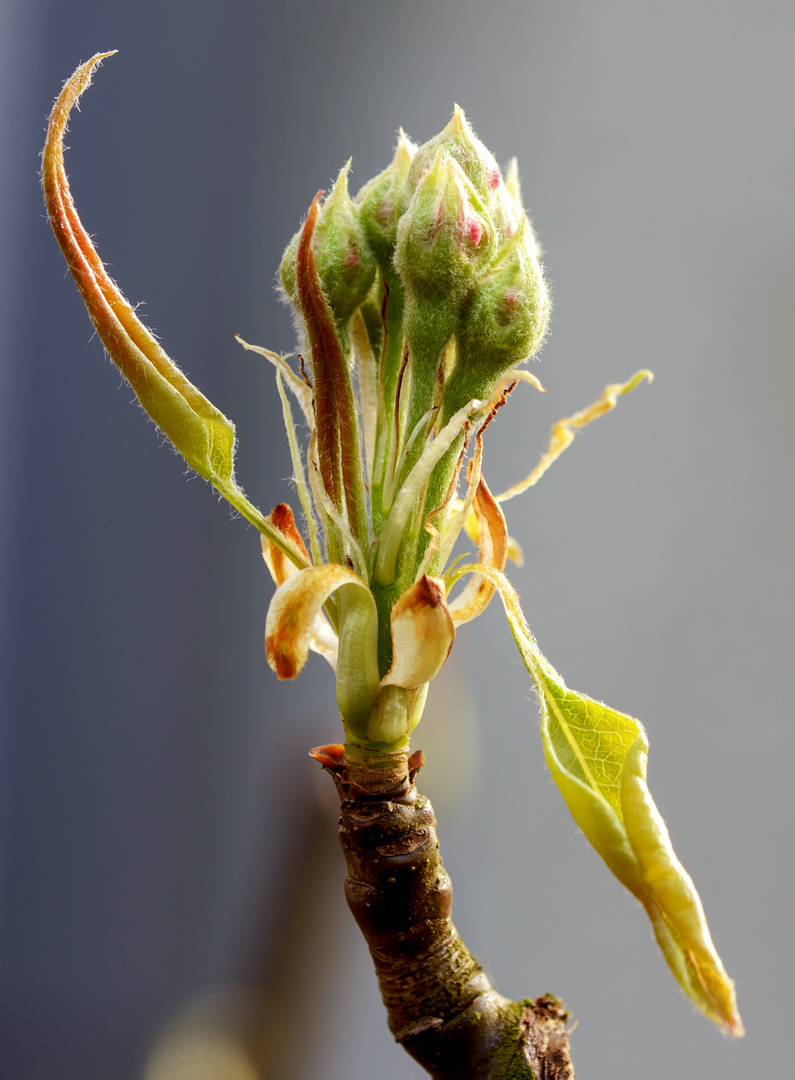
443,223
415,297
466,238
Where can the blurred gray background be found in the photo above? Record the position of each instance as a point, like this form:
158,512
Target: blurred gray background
164,836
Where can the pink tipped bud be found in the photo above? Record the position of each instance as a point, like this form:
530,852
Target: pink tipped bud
446,235
504,323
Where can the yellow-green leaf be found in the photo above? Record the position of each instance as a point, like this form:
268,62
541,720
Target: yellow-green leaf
671,900
597,757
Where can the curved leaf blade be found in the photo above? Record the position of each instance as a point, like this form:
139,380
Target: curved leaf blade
198,430
597,757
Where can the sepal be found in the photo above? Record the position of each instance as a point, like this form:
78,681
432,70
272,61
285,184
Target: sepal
504,323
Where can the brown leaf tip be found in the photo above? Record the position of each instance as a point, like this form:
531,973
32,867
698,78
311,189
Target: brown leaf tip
330,757
284,666
428,591
284,520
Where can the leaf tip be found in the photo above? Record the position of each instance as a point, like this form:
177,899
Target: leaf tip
280,660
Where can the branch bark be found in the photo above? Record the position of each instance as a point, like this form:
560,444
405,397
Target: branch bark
440,1005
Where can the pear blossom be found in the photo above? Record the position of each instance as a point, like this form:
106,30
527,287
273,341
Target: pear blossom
417,301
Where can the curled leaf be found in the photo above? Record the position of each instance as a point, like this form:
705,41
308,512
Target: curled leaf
597,757
422,634
300,389
671,900
492,538
280,567
563,431
367,370
293,612
200,431
323,639
335,411
357,667
515,553
440,549
299,476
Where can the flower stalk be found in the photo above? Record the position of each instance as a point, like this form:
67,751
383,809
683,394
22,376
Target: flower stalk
417,301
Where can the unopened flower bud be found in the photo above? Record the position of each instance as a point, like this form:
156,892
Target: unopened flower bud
504,323
383,201
462,144
344,261
446,235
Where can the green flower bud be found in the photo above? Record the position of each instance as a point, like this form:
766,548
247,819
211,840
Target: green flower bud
504,323
383,201
446,235
462,144
345,263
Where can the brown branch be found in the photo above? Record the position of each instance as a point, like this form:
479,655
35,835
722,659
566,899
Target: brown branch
440,1005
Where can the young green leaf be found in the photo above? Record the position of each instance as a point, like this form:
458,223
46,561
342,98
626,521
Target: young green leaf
597,757
200,431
